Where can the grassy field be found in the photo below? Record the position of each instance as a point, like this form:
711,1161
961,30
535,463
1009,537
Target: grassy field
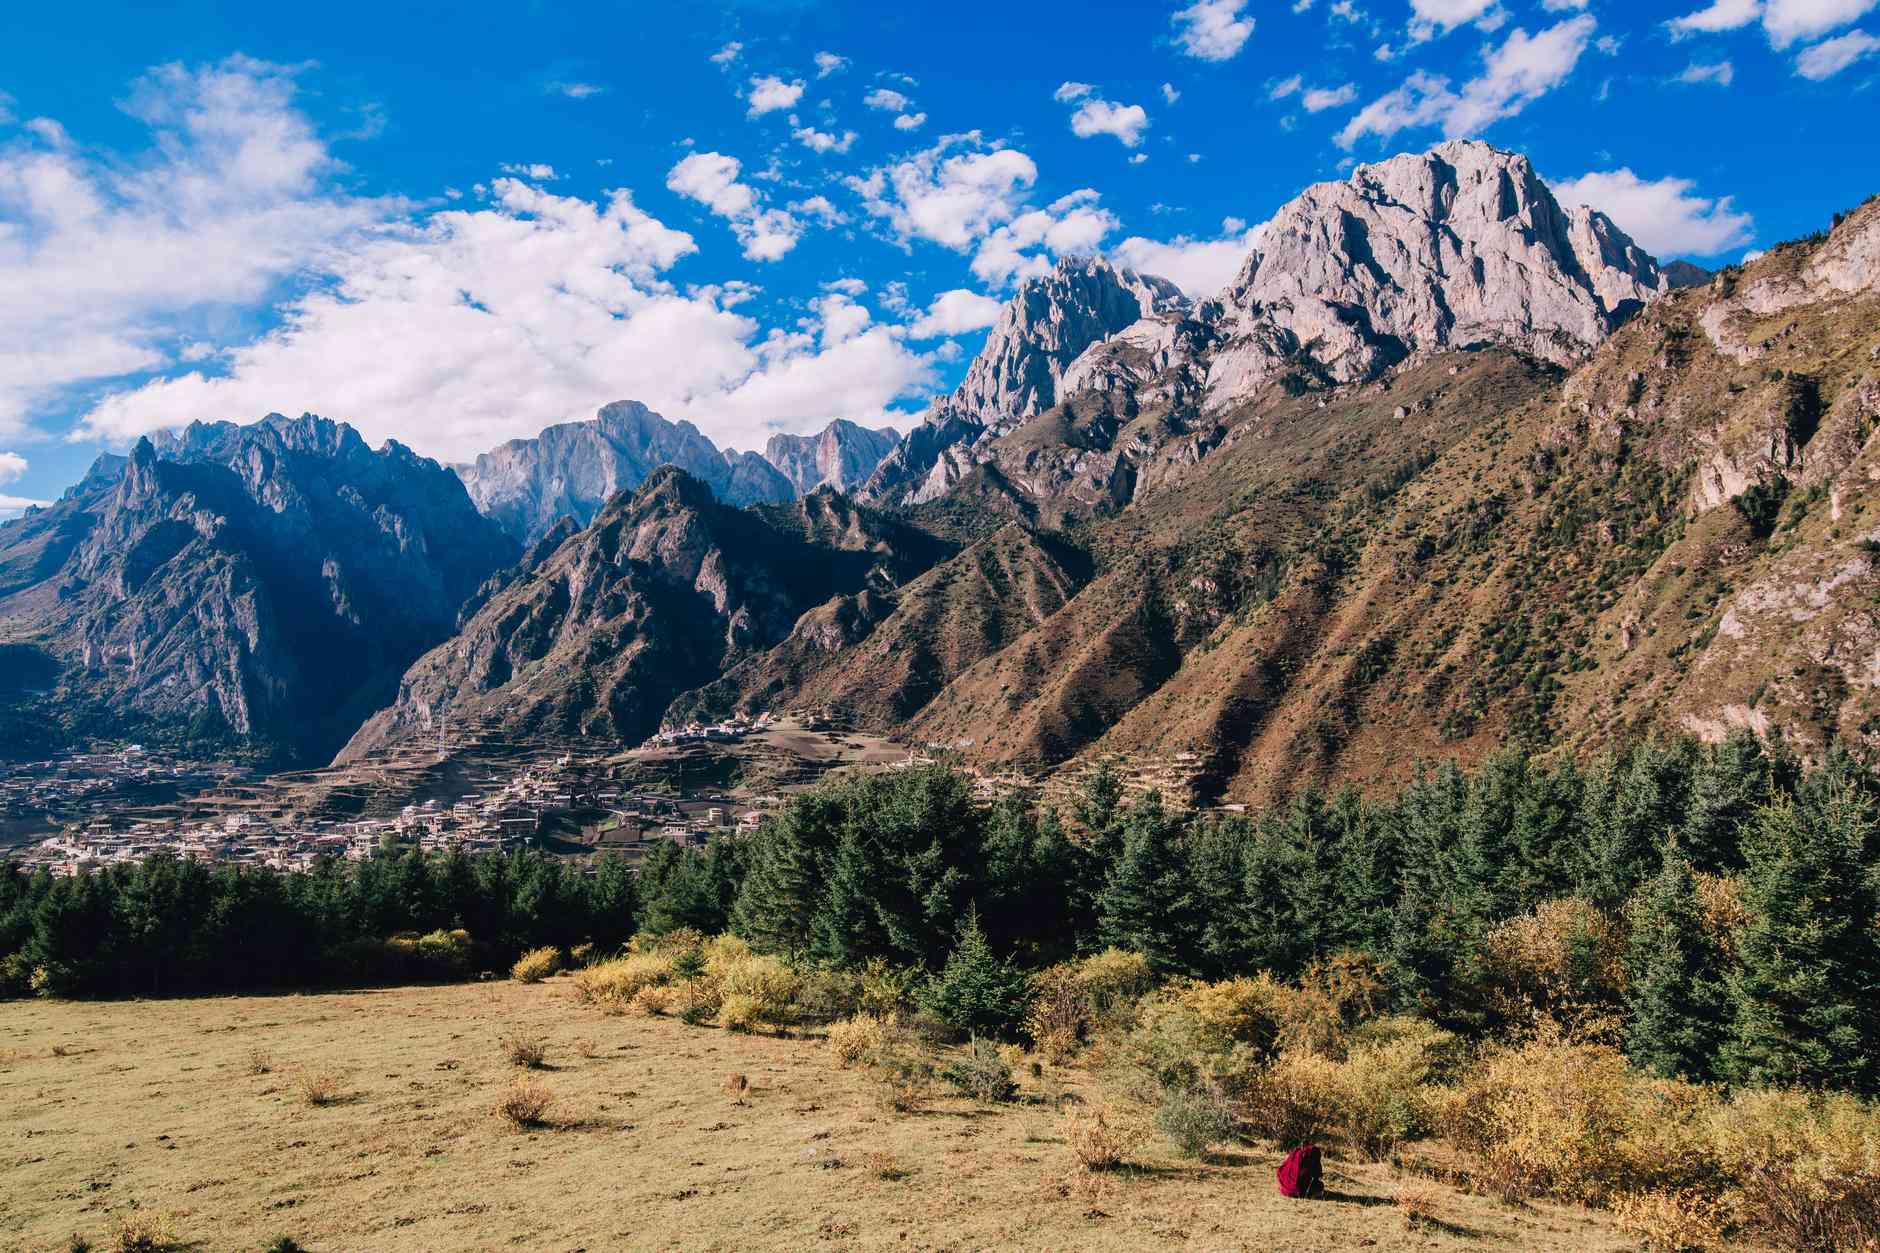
196,1111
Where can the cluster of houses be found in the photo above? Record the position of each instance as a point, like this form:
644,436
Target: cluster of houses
570,804
717,732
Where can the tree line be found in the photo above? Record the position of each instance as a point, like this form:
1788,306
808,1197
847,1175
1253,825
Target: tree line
1723,898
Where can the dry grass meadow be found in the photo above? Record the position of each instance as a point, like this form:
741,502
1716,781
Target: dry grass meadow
369,1120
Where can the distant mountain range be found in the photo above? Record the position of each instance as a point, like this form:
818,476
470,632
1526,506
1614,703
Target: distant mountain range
1447,463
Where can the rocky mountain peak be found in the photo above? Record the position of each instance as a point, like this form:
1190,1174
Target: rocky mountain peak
1046,325
1461,245
841,456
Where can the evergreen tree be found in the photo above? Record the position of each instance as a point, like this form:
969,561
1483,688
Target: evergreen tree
790,860
1486,885
1217,863
976,992
1731,782
1674,986
1148,902
1806,991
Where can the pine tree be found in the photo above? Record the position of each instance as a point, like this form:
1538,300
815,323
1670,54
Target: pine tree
1148,903
1731,782
1806,991
1486,887
976,992
1217,862
1675,992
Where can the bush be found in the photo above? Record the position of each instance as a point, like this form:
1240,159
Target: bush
1293,1099
981,1073
617,981
754,990
1806,1164
1384,1097
536,965
525,1104
904,1080
583,954
654,1000
1096,1140
1573,1121
1072,1001
887,989
738,1012
143,1233
1671,1222
858,1038
525,1050
1565,960
318,1087
1193,1120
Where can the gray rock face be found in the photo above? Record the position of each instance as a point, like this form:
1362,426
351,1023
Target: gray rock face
1461,245
841,456
270,580
573,468
1047,326
1042,330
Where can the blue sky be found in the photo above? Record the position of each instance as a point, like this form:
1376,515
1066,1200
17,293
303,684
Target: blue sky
453,224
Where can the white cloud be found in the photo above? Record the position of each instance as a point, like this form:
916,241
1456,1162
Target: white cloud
1515,74
539,172
1072,225
1200,267
105,258
953,198
711,178
1662,215
1169,94
887,99
576,91
769,94
821,208
1722,73
1068,92
1784,21
13,506
1788,21
1320,99
1287,87
822,141
727,54
910,121
1096,116
12,467
852,287
1212,30
1430,18
955,313
1831,56
828,63
472,327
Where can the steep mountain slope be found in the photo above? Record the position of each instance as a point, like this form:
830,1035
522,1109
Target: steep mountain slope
664,590
269,580
1047,325
572,469
842,456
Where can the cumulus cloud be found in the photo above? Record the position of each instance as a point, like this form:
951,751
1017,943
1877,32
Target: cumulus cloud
727,54
711,178
1430,18
576,91
1068,92
1831,56
955,313
1722,73
1784,21
1200,267
1319,99
109,260
910,121
828,63
950,194
1212,30
1097,116
1022,248
1514,75
1286,87
537,171
1664,216
12,467
769,94
471,327
1169,94
887,99
822,141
